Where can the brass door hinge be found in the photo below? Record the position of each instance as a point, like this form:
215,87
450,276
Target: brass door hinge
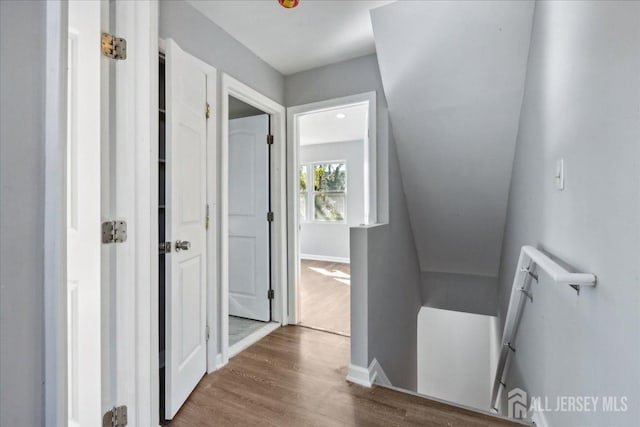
114,47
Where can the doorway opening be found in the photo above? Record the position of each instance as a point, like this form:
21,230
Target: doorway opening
250,225
332,165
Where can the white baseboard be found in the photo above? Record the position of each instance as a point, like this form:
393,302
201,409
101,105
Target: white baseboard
325,258
367,377
359,375
219,363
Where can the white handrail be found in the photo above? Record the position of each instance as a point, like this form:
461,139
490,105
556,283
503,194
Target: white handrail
529,259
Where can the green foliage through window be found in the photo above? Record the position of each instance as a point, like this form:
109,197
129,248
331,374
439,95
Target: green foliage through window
329,177
329,192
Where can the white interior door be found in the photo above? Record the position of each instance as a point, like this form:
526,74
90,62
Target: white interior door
83,215
186,356
248,226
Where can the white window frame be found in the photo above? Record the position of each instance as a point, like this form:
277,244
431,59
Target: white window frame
310,192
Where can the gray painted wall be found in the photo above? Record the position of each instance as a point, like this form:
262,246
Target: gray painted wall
205,40
581,103
394,299
454,292
385,291
22,97
385,276
454,96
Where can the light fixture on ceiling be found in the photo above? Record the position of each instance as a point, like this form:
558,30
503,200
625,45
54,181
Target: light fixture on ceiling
341,115
289,4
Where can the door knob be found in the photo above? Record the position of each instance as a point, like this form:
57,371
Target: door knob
182,245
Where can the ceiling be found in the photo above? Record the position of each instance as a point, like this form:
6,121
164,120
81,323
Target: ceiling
325,126
314,34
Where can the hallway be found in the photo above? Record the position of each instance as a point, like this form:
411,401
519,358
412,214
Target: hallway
296,377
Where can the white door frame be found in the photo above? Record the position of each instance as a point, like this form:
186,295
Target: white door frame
241,91
134,168
133,373
55,215
293,153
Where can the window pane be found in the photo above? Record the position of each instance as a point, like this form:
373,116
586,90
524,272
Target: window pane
303,206
330,177
329,207
303,178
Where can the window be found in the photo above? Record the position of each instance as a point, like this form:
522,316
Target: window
303,193
327,192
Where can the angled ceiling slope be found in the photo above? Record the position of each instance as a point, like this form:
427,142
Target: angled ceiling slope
453,74
314,34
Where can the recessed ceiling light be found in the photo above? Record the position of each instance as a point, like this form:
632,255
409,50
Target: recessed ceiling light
341,115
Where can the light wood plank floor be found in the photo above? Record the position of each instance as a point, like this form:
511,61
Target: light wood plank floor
296,377
325,296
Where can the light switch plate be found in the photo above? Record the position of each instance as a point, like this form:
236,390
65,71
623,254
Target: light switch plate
560,175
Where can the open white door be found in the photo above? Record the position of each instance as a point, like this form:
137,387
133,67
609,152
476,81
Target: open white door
83,215
186,354
248,226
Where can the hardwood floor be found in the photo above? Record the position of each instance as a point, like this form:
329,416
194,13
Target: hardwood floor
296,377
325,296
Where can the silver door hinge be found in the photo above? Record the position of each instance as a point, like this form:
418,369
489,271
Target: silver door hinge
270,216
208,111
164,247
269,139
207,333
271,294
206,218
116,417
114,47
114,231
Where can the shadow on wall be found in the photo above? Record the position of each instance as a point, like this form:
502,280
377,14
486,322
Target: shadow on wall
460,292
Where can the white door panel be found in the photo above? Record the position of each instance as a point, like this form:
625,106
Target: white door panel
248,226
83,216
186,354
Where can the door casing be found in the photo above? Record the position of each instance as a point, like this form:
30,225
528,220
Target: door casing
370,187
232,87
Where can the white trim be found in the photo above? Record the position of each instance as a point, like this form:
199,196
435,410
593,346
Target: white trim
239,90
325,258
252,338
367,377
135,162
293,154
377,374
359,375
212,201
55,216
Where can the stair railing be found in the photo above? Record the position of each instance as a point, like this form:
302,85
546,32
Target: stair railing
531,260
